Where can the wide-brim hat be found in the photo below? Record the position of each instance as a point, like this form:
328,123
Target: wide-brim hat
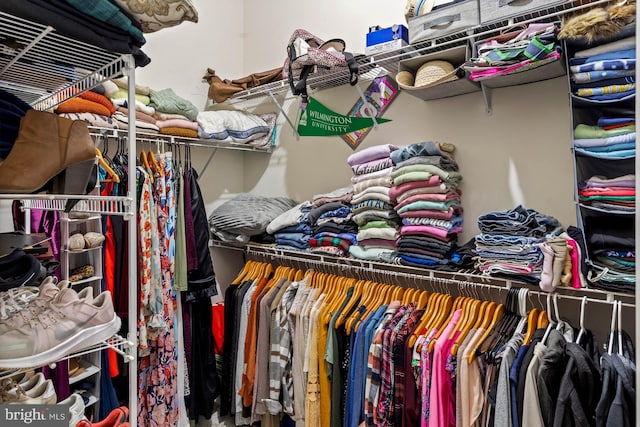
431,73
415,8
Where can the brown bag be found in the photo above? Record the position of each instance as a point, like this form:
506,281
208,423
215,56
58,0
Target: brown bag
220,90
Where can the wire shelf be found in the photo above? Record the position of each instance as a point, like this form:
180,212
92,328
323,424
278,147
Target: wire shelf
108,205
388,62
43,68
158,138
120,345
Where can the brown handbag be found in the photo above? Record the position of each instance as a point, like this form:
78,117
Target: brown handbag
220,90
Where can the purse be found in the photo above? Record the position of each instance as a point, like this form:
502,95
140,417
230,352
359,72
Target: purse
222,89
307,53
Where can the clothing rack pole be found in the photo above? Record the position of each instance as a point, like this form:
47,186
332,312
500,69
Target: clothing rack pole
431,281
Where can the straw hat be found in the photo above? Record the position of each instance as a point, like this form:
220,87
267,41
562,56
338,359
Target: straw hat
415,8
429,74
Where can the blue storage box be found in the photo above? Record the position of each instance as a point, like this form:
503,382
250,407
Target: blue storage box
385,39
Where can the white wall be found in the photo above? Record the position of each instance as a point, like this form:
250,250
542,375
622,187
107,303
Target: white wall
180,57
519,154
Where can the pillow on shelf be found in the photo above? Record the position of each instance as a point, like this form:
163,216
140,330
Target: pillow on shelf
154,15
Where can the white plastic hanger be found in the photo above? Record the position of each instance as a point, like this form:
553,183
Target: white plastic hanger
552,322
613,327
582,328
619,326
555,312
522,310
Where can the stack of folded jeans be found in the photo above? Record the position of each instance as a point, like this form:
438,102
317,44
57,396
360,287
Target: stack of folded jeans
371,204
333,229
611,138
514,52
425,190
609,194
605,73
509,243
611,244
292,229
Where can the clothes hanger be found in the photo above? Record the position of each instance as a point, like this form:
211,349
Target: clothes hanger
551,321
619,327
447,314
583,305
532,323
355,298
425,319
423,299
103,163
613,327
497,315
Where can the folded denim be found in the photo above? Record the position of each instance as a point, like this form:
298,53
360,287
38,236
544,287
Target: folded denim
498,239
591,86
298,237
293,243
629,53
518,221
304,228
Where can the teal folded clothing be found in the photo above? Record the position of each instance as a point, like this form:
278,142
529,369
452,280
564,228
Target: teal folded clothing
167,101
371,254
105,11
426,205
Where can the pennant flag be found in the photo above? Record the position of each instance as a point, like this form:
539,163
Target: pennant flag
318,120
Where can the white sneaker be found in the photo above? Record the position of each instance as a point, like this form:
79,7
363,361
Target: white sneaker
47,292
69,324
42,394
16,299
76,409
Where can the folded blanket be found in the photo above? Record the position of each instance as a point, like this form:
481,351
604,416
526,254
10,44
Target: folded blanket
176,123
139,115
231,125
176,131
159,115
93,119
123,123
81,105
166,100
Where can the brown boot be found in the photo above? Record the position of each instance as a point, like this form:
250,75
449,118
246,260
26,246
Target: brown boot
48,148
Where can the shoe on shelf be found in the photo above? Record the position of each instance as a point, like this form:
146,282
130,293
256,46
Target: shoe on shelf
93,239
70,324
76,409
76,242
82,272
119,417
10,387
41,394
48,291
16,299
75,368
53,150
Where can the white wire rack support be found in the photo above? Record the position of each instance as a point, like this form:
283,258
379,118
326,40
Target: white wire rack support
120,345
132,241
284,113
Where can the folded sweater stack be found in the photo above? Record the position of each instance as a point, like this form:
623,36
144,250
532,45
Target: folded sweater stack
427,198
371,203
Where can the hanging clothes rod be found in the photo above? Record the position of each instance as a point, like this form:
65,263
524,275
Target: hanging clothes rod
471,283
